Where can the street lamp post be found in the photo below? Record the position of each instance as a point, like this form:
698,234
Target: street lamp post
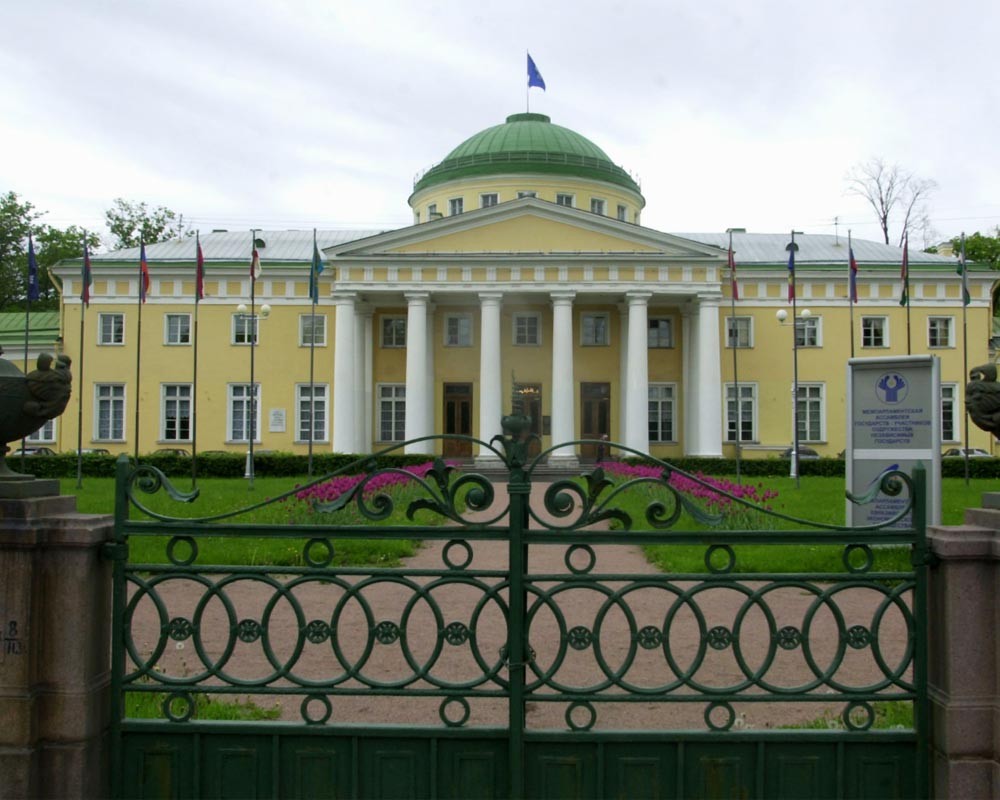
250,324
782,316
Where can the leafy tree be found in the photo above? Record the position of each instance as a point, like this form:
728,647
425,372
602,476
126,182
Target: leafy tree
129,222
16,220
894,194
980,248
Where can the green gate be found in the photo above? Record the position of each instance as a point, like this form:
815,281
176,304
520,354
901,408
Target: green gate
526,664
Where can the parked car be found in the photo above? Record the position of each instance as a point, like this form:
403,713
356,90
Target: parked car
33,451
95,451
172,451
804,452
959,452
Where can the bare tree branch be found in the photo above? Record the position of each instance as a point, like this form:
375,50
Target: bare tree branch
891,191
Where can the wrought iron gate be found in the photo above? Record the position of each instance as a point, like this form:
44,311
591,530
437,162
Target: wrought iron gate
545,674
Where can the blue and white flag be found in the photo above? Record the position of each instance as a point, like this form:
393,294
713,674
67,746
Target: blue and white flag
33,288
534,76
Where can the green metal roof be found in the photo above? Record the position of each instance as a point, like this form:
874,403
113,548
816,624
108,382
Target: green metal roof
527,143
44,328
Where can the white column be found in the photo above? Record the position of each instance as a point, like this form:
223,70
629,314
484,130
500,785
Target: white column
490,370
689,373
345,420
563,385
637,382
431,382
708,440
416,371
622,372
365,395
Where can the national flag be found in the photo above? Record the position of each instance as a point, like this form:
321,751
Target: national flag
734,287
904,273
199,270
966,298
534,76
33,289
791,272
314,273
86,276
853,275
255,265
143,273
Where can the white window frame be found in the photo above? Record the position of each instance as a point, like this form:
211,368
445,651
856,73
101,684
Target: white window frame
670,333
524,316
456,205
564,199
165,401
672,400
395,396
244,321
884,332
391,342
432,211
114,399
488,199
245,400
733,325
109,341
805,418
952,401
595,315
460,318
951,331
622,212
807,326
748,394
321,393
321,318
179,340
598,206
44,435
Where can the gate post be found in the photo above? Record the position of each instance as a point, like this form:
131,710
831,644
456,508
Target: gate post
55,606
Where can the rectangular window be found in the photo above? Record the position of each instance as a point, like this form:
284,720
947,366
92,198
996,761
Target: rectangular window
311,407
939,332
111,329
949,414
393,331
432,211
661,412
458,330
241,427
177,329
110,407
810,412
242,328
391,412
564,200
488,200
807,332
527,329
455,206
660,333
526,194
312,330
739,332
47,433
874,332
622,211
175,412
594,330
597,206
741,412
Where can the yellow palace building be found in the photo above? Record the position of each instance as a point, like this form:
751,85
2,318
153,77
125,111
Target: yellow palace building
526,275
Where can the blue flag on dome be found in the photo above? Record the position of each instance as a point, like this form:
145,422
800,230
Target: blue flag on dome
534,76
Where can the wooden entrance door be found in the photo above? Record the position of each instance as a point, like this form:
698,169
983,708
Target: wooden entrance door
528,400
595,416
457,419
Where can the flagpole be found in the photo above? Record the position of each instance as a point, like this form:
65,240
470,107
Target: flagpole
965,348
795,360
27,322
84,295
140,297
253,347
198,279
851,284
314,293
735,345
906,290
527,89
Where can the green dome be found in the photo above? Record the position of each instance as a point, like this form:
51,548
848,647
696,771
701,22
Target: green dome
527,143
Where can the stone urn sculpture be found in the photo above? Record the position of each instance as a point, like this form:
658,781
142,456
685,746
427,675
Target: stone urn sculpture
29,401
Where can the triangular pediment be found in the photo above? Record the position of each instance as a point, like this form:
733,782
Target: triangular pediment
526,225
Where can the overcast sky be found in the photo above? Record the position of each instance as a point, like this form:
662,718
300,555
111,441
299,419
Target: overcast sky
300,114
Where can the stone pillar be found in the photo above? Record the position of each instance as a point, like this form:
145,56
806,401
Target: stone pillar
706,381
362,312
416,372
345,420
964,655
622,371
636,401
368,376
431,428
490,373
689,378
55,650
563,383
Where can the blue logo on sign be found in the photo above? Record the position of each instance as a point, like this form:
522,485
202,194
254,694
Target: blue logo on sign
892,388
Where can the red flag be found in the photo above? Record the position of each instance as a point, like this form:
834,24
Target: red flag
199,275
904,273
854,275
255,265
732,275
86,276
143,273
